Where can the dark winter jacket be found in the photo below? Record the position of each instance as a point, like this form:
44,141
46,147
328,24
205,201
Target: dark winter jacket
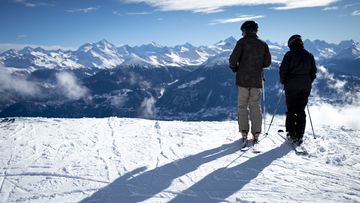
297,70
248,59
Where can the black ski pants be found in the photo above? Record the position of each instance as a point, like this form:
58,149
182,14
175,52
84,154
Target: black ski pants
296,101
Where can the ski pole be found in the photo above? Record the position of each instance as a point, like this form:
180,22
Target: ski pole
264,112
277,107
312,127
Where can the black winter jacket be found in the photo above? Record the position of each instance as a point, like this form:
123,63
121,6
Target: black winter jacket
297,70
248,59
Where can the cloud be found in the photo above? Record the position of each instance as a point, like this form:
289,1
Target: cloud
351,5
147,107
32,4
82,10
333,83
293,4
356,13
138,13
344,115
235,20
11,84
117,13
132,13
119,101
136,79
331,8
21,36
70,86
326,112
211,6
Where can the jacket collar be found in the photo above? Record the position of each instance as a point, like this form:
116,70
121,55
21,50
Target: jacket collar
251,35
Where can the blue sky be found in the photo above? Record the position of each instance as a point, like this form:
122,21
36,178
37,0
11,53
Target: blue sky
71,23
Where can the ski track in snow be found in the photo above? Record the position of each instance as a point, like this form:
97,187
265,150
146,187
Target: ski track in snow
136,160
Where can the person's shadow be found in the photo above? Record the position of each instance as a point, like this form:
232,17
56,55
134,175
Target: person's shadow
224,182
137,185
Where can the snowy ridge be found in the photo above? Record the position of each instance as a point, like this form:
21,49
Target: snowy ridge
104,55
134,160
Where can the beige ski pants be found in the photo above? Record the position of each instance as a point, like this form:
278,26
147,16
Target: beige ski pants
249,104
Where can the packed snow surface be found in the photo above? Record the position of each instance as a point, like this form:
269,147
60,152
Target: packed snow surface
135,160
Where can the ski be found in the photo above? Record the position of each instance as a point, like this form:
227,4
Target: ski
299,150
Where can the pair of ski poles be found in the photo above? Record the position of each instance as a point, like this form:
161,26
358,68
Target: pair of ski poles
276,109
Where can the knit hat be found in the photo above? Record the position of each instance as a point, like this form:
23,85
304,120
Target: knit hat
249,26
295,41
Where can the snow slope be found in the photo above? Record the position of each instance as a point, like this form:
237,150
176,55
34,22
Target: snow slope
134,160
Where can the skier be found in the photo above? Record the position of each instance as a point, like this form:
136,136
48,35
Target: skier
248,59
297,73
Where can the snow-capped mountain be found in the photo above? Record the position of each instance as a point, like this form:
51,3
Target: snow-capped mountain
348,50
104,55
38,57
180,82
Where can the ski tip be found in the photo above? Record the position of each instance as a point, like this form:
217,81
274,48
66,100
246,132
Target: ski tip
280,131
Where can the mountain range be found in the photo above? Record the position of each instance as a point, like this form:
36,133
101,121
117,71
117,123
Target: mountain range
104,55
181,82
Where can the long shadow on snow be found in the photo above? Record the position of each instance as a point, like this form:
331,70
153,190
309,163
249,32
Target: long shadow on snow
137,185
224,182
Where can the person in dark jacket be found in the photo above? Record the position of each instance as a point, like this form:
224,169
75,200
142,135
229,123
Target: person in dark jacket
297,73
248,59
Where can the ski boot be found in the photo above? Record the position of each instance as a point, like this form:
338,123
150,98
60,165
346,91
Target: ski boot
244,134
256,137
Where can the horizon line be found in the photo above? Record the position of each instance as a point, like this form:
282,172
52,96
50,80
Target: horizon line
19,46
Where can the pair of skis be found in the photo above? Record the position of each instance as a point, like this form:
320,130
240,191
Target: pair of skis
299,149
250,144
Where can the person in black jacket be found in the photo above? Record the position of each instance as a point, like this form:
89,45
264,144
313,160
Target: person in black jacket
248,59
297,73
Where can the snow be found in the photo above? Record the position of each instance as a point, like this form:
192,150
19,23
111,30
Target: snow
191,83
136,160
105,55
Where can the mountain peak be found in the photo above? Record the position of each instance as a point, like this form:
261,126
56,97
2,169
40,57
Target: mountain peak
230,40
104,44
103,41
347,43
154,44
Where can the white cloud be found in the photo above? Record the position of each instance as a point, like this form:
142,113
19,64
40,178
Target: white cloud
70,86
147,108
345,115
32,4
119,100
210,6
21,36
131,13
7,46
333,83
293,4
235,20
82,10
323,112
10,83
356,13
138,13
331,8
351,5
117,13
